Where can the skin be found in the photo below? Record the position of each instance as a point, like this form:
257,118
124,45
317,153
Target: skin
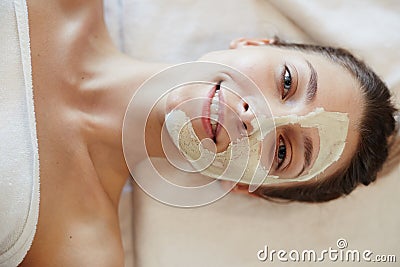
264,65
82,87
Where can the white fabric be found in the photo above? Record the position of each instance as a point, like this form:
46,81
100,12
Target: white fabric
232,230
19,160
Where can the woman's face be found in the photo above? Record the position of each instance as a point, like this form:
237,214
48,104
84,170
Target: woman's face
293,82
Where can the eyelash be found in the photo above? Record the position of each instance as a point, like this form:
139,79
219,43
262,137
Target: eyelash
286,84
281,140
286,77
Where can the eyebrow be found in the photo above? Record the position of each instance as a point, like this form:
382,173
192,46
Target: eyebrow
308,148
312,85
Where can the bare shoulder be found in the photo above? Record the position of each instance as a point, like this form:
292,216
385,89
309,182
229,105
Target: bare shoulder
78,223
76,229
87,249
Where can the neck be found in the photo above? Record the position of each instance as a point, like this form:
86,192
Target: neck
106,96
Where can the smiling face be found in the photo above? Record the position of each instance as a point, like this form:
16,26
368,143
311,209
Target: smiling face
293,82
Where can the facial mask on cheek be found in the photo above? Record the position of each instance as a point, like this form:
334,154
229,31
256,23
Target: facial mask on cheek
332,129
241,160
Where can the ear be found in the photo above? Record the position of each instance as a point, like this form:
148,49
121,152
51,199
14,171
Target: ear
237,188
243,42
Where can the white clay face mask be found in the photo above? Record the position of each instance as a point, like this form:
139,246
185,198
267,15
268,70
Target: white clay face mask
240,162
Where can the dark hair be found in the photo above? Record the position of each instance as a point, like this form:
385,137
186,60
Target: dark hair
376,126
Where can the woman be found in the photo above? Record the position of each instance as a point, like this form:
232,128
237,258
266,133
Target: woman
82,86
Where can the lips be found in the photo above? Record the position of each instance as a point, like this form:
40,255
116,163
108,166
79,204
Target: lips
212,112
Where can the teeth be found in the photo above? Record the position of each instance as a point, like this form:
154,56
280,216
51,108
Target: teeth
215,99
214,111
214,108
214,116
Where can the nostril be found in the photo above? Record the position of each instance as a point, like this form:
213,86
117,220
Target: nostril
245,126
245,106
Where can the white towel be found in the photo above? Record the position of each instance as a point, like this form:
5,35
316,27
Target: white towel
19,159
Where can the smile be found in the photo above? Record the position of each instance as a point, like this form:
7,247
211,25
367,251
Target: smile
212,112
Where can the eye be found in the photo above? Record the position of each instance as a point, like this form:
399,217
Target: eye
286,82
281,152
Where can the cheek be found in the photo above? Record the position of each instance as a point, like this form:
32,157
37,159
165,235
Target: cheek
173,100
263,79
268,148
255,63
244,60
252,67
187,98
